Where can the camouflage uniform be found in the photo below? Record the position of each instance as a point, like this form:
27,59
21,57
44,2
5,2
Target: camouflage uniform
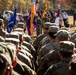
25,59
39,26
9,55
27,38
46,48
46,39
62,67
72,66
20,25
23,69
52,57
30,47
37,41
73,38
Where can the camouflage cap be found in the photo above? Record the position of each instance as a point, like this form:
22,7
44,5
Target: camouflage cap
67,46
64,28
63,35
53,29
12,35
46,24
27,38
73,37
20,25
13,41
20,34
18,29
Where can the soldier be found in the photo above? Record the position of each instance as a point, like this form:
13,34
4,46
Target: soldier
7,58
20,25
72,66
46,39
23,69
37,41
46,48
65,53
52,57
27,38
25,59
39,26
31,48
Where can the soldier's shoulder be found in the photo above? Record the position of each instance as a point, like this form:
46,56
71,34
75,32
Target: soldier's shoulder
55,66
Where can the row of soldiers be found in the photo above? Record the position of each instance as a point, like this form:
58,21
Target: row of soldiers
51,53
55,51
17,55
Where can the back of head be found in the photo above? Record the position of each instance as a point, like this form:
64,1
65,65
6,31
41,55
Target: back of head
52,31
63,35
66,48
20,25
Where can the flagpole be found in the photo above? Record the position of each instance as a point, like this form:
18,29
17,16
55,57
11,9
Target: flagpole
45,8
32,18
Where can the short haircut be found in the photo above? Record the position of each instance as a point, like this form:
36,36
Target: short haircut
51,34
66,54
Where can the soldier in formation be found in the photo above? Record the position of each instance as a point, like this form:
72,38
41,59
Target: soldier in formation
51,53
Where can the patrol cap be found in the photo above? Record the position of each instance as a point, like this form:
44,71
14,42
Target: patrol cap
73,37
18,29
20,34
67,46
63,34
27,38
13,40
53,29
20,25
46,24
12,35
64,28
